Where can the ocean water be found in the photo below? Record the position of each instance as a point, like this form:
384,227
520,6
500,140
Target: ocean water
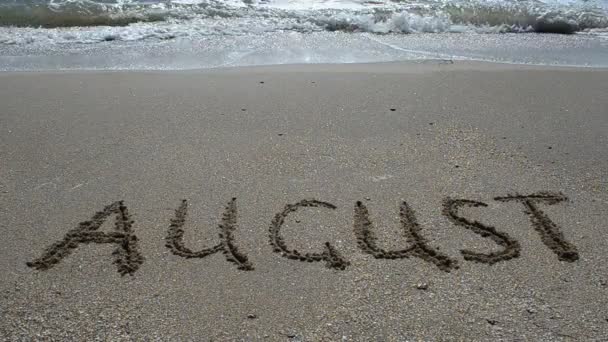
185,34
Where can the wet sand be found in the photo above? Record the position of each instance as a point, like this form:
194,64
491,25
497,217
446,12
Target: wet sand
391,202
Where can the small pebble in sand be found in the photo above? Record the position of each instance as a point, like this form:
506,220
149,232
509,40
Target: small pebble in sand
492,321
422,286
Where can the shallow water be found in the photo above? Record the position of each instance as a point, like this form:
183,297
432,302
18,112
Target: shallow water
182,34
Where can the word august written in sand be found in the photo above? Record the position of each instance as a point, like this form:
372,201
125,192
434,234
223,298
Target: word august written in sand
128,258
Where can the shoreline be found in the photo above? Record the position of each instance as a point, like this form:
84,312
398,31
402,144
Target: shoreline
311,48
426,64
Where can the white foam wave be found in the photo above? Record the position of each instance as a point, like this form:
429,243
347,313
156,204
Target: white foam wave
84,21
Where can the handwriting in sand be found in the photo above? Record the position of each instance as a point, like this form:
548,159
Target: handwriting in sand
128,258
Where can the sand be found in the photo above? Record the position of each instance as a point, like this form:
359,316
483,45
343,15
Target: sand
383,202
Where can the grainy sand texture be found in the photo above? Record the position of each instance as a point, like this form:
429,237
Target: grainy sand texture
379,202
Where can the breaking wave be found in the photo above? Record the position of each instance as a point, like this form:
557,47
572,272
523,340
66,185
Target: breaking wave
69,13
91,21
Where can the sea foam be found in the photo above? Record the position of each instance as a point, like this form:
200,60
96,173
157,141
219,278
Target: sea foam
87,21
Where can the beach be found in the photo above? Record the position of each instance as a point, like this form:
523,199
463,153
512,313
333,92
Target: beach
420,200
